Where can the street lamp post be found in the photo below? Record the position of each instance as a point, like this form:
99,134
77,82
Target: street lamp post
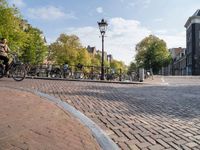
102,27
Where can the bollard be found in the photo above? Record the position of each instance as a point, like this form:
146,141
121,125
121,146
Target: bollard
120,74
141,74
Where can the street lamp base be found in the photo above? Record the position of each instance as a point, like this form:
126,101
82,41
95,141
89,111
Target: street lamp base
102,78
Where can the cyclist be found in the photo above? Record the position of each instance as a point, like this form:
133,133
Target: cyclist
4,49
65,69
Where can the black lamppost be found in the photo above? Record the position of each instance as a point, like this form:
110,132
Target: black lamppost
102,27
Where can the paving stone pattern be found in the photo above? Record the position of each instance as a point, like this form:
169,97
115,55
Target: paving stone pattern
28,122
134,116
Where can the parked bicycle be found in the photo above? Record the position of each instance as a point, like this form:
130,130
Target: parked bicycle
16,69
55,72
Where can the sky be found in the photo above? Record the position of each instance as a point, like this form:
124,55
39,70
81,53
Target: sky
129,21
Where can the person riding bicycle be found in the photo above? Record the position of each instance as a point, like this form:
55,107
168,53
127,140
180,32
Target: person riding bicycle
65,69
4,49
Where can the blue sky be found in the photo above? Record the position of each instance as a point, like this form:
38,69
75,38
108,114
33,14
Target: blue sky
129,21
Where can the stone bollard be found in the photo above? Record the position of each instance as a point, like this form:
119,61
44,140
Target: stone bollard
141,74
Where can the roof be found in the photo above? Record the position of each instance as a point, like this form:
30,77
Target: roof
195,18
91,49
197,13
176,51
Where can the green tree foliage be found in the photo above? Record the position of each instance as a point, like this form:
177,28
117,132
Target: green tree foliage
22,38
35,49
84,57
117,65
96,60
10,26
68,48
132,68
152,53
29,43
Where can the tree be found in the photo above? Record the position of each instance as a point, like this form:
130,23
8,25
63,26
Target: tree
84,57
96,60
35,49
117,66
132,68
10,21
22,37
68,48
152,53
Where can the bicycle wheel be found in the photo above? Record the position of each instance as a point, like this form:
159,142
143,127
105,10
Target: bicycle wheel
18,72
1,71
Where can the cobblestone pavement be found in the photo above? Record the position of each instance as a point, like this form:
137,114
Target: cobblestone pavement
143,117
28,122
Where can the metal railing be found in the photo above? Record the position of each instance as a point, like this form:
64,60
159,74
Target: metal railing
74,72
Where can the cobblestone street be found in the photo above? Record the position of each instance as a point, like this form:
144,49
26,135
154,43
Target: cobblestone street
135,116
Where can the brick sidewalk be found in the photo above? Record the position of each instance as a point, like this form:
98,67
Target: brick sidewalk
28,122
143,117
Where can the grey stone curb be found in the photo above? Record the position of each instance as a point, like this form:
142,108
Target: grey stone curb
104,140
183,77
85,80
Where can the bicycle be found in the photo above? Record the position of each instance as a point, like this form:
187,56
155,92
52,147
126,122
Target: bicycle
55,72
16,69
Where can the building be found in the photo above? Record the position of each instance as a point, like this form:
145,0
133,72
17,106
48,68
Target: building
91,50
193,44
178,64
94,51
175,52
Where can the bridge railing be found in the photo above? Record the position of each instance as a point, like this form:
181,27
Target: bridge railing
74,72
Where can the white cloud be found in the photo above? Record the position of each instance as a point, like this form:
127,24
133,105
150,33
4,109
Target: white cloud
121,37
18,3
120,40
49,13
99,10
177,40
